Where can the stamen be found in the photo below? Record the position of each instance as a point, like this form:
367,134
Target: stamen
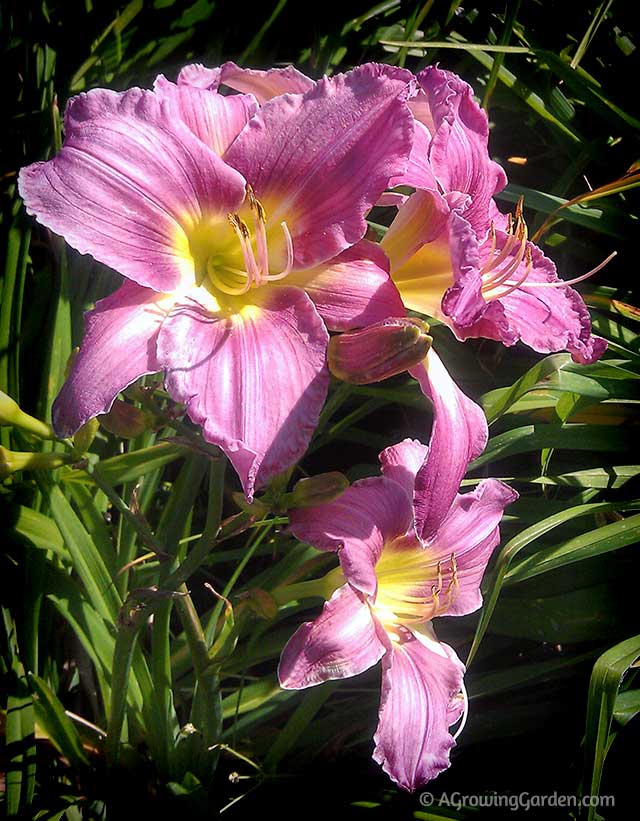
289,265
259,221
561,282
514,285
498,278
491,264
242,232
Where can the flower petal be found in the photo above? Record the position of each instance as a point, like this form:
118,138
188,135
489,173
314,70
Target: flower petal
353,289
402,462
420,682
419,173
470,532
127,183
265,85
215,119
357,525
342,642
431,247
255,380
199,76
458,435
317,161
119,346
458,152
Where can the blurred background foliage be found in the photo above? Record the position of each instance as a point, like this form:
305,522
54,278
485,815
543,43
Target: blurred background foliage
553,656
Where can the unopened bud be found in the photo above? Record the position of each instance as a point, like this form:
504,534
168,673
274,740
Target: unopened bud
379,351
126,420
12,414
11,461
84,437
316,490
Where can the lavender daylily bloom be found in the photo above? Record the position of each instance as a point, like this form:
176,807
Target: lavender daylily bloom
389,587
238,222
455,256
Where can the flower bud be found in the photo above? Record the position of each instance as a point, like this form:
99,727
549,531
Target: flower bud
11,461
316,490
12,414
126,420
85,435
379,351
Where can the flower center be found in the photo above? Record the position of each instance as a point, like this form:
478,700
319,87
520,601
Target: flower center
412,587
234,266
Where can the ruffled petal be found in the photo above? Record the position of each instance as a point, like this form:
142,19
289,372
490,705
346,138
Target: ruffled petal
317,161
342,642
357,525
419,173
470,532
199,76
353,289
215,119
458,435
119,346
420,684
128,184
458,152
402,462
264,85
255,380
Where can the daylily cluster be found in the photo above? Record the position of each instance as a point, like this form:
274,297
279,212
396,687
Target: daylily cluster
238,220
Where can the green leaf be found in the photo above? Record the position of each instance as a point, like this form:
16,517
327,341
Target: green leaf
58,727
251,697
608,672
87,559
627,706
608,477
498,402
568,437
312,702
130,466
41,531
594,543
511,549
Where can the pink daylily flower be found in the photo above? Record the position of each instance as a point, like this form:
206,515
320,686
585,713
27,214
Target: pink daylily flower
455,256
238,222
389,587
